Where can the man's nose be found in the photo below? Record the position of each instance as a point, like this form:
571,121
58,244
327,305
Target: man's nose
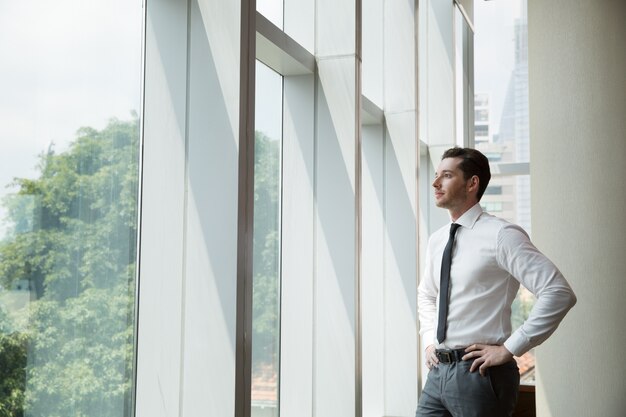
436,183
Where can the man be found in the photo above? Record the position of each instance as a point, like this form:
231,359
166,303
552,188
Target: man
467,325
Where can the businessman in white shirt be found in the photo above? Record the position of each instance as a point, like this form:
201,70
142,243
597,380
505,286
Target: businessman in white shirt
467,326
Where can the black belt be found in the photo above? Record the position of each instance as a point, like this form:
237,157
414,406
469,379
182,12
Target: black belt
450,355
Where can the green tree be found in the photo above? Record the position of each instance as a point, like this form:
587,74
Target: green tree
72,237
12,368
266,250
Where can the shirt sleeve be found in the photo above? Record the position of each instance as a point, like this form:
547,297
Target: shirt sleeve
427,301
517,255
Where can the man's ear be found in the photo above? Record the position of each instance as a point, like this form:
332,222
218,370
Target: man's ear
474,182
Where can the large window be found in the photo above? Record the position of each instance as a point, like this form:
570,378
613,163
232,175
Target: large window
463,74
69,152
266,256
501,100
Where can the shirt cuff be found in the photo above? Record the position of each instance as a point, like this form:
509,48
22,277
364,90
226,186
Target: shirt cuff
518,343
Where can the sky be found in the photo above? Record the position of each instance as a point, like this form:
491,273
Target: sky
268,102
65,64
494,50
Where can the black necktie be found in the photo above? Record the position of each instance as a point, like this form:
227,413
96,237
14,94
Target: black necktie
444,287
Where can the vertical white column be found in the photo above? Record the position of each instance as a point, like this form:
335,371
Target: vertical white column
296,350
437,100
188,268
577,102
298,222
400,285
436,80
210,304
163,203
437,104
336,275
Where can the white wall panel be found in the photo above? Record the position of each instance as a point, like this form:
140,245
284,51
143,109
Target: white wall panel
211,231
161,267
399,56
436,95
186,339
335,277
335,32
401,147
296,351
400,294
577,103
299,22
437,72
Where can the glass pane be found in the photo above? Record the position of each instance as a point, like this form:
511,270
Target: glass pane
459,76
501,123
503,198
266,255
272,10
499,198
501,77
69,151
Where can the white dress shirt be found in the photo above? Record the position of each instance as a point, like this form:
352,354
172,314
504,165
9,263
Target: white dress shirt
490,258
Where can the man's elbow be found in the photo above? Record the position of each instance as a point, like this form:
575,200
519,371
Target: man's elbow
572,299
568,298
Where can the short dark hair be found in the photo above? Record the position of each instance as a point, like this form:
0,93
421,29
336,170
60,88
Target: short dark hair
473,163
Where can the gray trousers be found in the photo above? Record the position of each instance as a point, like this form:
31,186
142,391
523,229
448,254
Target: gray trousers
451,390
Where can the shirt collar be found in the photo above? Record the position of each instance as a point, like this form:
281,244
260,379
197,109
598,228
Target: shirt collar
469,218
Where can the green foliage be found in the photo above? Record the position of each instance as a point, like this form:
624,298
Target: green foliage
266,250
72,237
12,369
521,307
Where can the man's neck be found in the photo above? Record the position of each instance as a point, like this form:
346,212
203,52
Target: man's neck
458,212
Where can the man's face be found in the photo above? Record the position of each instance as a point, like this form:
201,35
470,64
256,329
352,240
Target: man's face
451,189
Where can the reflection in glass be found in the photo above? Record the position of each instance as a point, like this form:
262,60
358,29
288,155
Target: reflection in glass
266,255
69,145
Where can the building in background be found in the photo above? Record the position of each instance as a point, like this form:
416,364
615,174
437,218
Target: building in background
508,141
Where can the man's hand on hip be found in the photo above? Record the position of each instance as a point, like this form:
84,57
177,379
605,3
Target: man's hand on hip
486,356
431,357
